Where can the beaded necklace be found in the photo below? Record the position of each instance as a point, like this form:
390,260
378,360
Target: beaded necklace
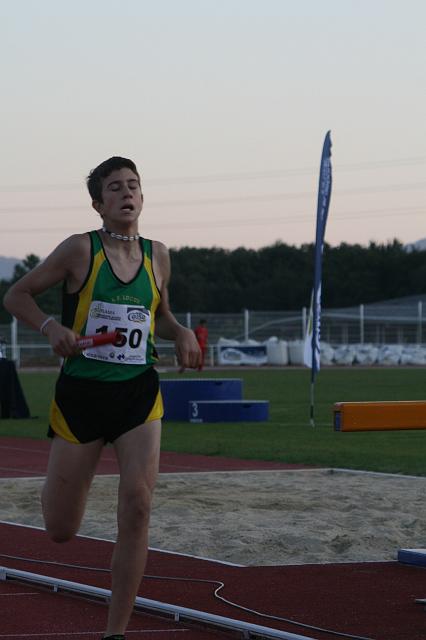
118,236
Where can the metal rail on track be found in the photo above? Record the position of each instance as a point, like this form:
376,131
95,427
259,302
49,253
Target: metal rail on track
247,629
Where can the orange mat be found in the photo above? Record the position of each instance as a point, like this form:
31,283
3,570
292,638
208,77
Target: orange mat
379,416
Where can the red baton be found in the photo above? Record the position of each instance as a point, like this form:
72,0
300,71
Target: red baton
98,339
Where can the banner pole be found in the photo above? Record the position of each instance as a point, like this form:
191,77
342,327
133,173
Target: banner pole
312,351
312,419
313,363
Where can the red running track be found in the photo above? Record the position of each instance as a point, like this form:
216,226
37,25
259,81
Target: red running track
370,600
26,457
374,600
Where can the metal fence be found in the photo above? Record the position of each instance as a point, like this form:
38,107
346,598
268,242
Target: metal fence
376,324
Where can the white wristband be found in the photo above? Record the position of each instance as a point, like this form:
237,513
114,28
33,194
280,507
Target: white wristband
45,323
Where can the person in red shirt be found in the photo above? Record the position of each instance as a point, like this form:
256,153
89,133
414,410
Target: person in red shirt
202,335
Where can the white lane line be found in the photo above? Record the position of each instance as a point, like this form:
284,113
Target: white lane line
25,450
24,593
165,551
85,633
15,470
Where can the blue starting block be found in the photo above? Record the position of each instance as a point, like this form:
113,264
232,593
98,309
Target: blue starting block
228,410
415,557
178,392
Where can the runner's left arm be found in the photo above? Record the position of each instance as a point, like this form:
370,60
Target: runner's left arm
166,326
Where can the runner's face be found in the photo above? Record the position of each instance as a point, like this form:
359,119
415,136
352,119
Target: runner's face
122,197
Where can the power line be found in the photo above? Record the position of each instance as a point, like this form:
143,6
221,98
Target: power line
230,177
228,199
258,221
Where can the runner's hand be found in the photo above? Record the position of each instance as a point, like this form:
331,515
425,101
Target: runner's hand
188,352
62,339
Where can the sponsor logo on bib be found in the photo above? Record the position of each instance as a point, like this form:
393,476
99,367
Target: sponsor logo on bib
137,315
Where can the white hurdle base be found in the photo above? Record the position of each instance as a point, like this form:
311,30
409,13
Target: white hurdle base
178,613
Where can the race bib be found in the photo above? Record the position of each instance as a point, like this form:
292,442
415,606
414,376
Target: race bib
132,321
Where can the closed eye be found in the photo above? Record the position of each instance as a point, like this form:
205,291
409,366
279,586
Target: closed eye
116,185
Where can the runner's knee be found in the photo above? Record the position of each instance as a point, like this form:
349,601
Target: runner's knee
57,532
58,528
134,508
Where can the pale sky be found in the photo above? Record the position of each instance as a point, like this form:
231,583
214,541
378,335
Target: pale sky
223,105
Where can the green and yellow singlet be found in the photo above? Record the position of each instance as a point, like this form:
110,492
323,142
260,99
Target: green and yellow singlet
105,303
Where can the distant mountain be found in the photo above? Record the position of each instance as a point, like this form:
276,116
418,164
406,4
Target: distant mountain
419,245
7,266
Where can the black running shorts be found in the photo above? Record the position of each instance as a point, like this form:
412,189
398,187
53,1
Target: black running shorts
85,410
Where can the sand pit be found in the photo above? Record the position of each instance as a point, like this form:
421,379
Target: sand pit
258,518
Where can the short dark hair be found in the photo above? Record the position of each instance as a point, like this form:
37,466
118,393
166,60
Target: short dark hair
102,171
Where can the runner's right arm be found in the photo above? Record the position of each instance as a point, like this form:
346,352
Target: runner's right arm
20,301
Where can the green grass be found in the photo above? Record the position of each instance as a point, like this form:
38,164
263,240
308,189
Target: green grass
287,436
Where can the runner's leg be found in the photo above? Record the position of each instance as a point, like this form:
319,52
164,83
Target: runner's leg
138,454
70,472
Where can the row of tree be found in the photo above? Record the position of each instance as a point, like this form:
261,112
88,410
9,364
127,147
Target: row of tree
280,277
277,277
